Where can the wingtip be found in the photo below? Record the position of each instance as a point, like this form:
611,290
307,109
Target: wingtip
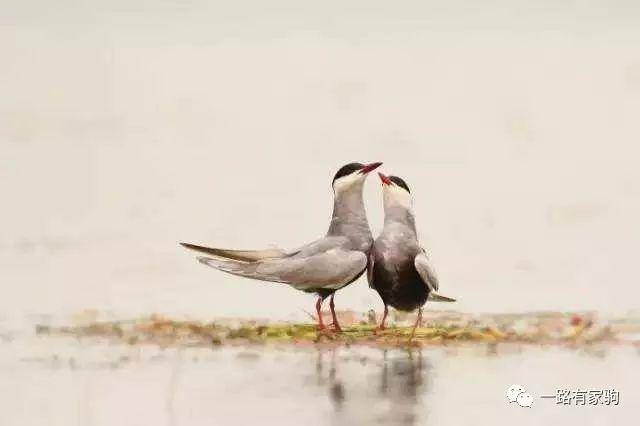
435,297
189,246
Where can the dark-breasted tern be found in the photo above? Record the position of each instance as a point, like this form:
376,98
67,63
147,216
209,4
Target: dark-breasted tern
399,269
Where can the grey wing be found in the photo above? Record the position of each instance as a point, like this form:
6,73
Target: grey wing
319,246
331,269
425,271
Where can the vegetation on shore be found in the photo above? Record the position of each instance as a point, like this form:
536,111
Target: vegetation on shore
438,328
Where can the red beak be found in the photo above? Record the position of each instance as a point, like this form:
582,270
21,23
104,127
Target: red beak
369,167
385,180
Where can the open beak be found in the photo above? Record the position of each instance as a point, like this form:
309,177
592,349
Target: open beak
385,180
369,167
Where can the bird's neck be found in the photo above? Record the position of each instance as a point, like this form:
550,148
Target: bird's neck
349,215
395,215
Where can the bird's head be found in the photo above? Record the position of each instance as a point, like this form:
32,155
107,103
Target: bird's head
395,192
352,176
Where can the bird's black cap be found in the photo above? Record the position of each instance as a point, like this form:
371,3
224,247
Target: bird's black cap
400,182
347,170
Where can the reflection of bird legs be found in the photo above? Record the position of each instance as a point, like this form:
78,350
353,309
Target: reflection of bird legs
332,306
336,389
418,321
384,318
319,365
384,382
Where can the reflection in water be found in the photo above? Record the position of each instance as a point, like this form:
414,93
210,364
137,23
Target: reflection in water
305,386
390,393
403,383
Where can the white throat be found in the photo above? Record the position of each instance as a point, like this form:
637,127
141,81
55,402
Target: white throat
395,197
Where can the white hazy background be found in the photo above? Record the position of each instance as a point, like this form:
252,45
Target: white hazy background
128,126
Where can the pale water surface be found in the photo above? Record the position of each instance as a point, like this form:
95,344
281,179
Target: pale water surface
59,381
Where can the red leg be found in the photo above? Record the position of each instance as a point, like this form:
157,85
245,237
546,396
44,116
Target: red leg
418,321
332,306
384,318
319,312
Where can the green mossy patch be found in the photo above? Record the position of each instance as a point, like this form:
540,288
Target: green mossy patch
543,328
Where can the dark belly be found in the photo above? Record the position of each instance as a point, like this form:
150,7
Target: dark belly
400,286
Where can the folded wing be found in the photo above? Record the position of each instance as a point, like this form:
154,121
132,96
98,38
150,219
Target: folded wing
331,269
425,271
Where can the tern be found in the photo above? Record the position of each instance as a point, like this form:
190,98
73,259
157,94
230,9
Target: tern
399,268
322,266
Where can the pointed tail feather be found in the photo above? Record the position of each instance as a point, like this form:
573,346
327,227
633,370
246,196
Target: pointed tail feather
240,255
435,297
